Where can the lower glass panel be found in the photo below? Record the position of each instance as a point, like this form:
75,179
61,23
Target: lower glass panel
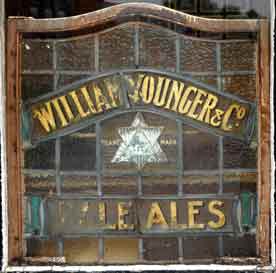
88,253
121,250
160,249
41,248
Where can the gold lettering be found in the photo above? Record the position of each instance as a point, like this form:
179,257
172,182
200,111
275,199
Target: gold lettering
61,211
122,212
192,212
60,113
176,92
156,217
216,119
225,122
88,100
113,93
102,217
100,99
196,103
174,223
173,214
209,105
77,103
67,108
161,88
135,86
185,104
46,117
84,212
148,87
221,217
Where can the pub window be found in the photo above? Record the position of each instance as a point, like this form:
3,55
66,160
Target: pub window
141,137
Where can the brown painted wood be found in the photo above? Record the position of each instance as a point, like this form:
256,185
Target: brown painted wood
264,162
124,11
15,194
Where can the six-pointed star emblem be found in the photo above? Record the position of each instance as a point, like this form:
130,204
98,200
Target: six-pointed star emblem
140,144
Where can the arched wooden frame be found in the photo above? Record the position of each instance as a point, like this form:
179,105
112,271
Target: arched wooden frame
20,25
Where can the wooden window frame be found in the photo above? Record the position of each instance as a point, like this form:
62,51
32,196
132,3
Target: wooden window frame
19,25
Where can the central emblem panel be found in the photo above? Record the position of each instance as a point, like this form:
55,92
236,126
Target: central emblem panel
140,144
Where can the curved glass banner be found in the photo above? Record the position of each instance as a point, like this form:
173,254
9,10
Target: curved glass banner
78,105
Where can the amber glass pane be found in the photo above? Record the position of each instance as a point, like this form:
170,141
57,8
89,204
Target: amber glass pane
121,250
79,184
40,184
126,185
159,185
197,184
88,253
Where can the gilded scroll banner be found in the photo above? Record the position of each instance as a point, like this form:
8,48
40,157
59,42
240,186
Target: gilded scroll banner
149,91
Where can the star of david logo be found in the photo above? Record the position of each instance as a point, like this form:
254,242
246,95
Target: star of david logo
140,144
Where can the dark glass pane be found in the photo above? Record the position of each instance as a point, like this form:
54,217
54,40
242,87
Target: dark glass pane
200,247
65,79
36,85
241,246
76,54
238,154
41,157
200,150
197,56
157,47
160,249
41,248
243,86
37,55
116,48
238,56
212,6
237,6
78,151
